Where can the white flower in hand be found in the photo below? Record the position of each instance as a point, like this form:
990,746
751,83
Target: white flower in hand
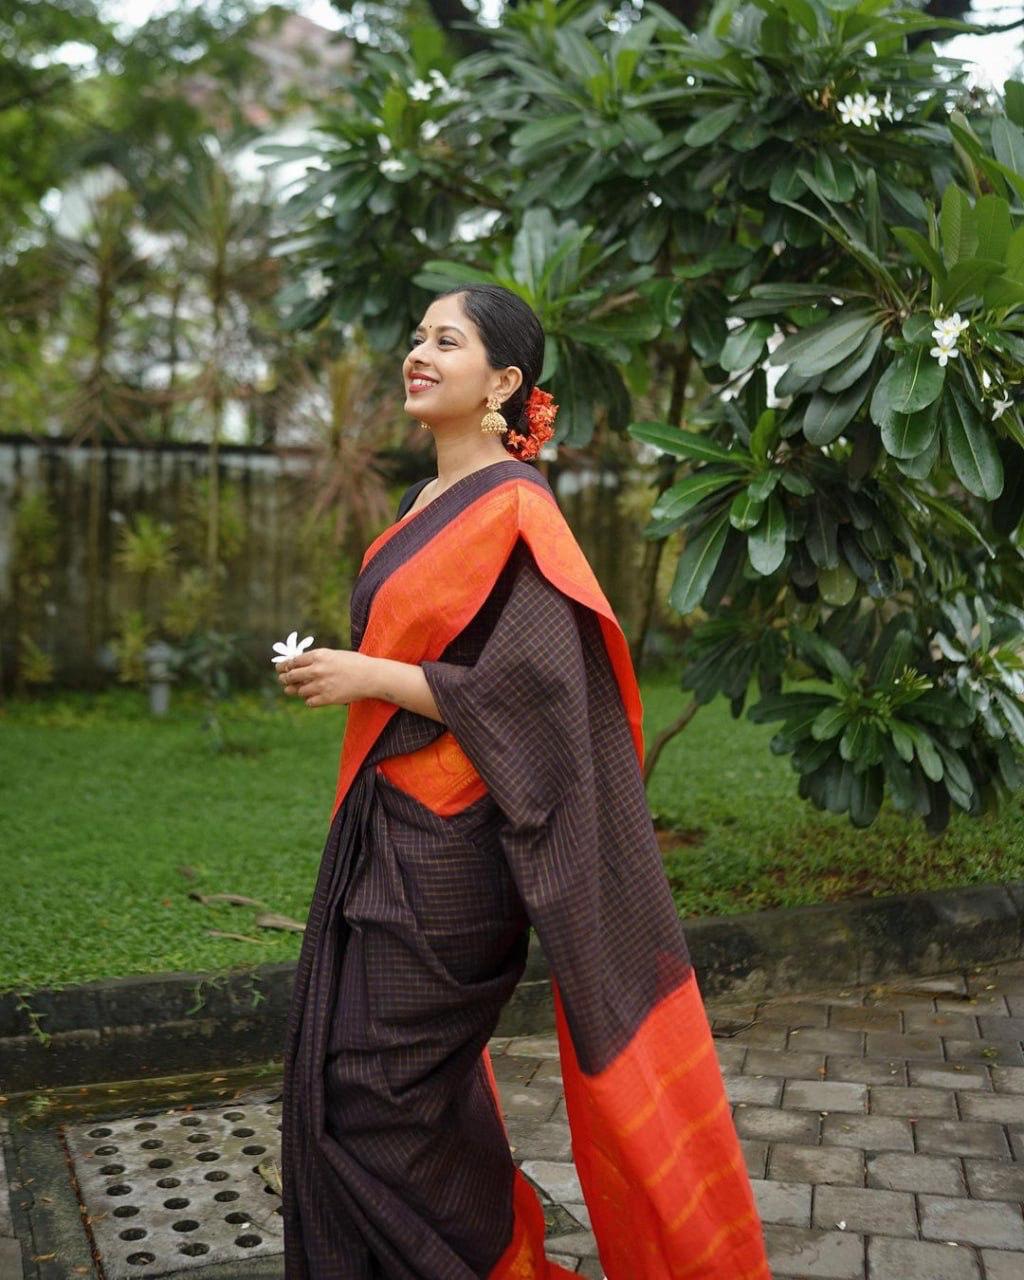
289,648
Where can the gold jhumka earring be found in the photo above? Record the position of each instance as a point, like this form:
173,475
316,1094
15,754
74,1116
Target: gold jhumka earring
492,419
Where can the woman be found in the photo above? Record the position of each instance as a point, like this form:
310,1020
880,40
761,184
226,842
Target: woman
490,779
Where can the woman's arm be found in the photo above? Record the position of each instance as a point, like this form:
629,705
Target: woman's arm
401,682
336,677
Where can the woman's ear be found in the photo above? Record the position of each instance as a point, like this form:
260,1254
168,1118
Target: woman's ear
511,381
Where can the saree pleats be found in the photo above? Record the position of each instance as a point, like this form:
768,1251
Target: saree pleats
525,807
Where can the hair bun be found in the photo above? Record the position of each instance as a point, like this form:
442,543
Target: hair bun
540,414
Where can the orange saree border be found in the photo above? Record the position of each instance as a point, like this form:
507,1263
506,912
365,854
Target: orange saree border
658,1158
410,625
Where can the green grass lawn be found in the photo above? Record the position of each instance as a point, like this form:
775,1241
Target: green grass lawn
110,818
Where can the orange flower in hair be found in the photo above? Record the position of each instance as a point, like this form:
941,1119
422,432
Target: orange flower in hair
540,415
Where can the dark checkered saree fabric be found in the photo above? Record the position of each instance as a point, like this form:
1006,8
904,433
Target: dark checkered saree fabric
395,1160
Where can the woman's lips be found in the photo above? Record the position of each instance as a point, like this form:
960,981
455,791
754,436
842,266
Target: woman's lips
416,386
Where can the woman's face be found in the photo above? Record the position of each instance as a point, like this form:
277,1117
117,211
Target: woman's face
447,353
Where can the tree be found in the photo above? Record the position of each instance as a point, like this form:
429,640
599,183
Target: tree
756,198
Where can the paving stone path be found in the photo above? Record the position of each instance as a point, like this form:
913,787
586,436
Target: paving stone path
883,1129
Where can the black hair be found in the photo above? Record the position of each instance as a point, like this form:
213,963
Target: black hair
511,334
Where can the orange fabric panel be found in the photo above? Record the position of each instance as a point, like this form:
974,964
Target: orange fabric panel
439,775
658,1157
409,623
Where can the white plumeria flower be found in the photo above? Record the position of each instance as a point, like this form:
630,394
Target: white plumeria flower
384,141
392,165
420,90
952,325
944,353
887,107
653,199
286,649
856,109
317,284
429,130
1000,407
986,381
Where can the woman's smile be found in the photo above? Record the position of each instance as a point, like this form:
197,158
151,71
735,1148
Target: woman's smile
420,382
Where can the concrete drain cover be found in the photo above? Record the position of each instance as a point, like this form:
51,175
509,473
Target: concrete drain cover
180,1189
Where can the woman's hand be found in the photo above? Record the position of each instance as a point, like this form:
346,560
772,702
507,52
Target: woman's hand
326,677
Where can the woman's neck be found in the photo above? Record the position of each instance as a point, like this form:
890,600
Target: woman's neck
458,456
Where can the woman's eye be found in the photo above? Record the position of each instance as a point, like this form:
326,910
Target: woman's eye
413,342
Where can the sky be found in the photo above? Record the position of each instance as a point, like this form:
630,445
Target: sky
994,58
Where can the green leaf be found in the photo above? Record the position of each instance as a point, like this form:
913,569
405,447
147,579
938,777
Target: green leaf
830,722
745,511
917,328
684,444
992,215
959,236
835,176
764,437
911,382
1013,92
697,564
766,544
968,278
1003,292
971,446
820,652
1008,144
906,435
837,586
802,11
921,249
743,346
854,366
821,536
714,124
827,415
680,498
786,183
822,346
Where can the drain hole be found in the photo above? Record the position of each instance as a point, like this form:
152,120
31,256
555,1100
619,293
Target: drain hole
208,1155
151,1144
112,1168
176,1202
126,1211
161,1163
168,1182
253,1151
217,1175
248,1242
233,1115
243,1133
225,1197
133,1233
199,1137
141,1259
195,1249
100,1133
186,1224
144,1125
119,1189
106,1151
192,1120
279,1209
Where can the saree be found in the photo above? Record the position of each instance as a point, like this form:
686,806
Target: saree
448,841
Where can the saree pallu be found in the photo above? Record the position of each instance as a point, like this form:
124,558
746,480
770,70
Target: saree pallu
447,842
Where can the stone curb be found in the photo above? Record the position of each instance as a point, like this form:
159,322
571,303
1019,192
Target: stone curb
170,1023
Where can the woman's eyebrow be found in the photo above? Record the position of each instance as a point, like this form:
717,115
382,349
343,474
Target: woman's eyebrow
440,327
